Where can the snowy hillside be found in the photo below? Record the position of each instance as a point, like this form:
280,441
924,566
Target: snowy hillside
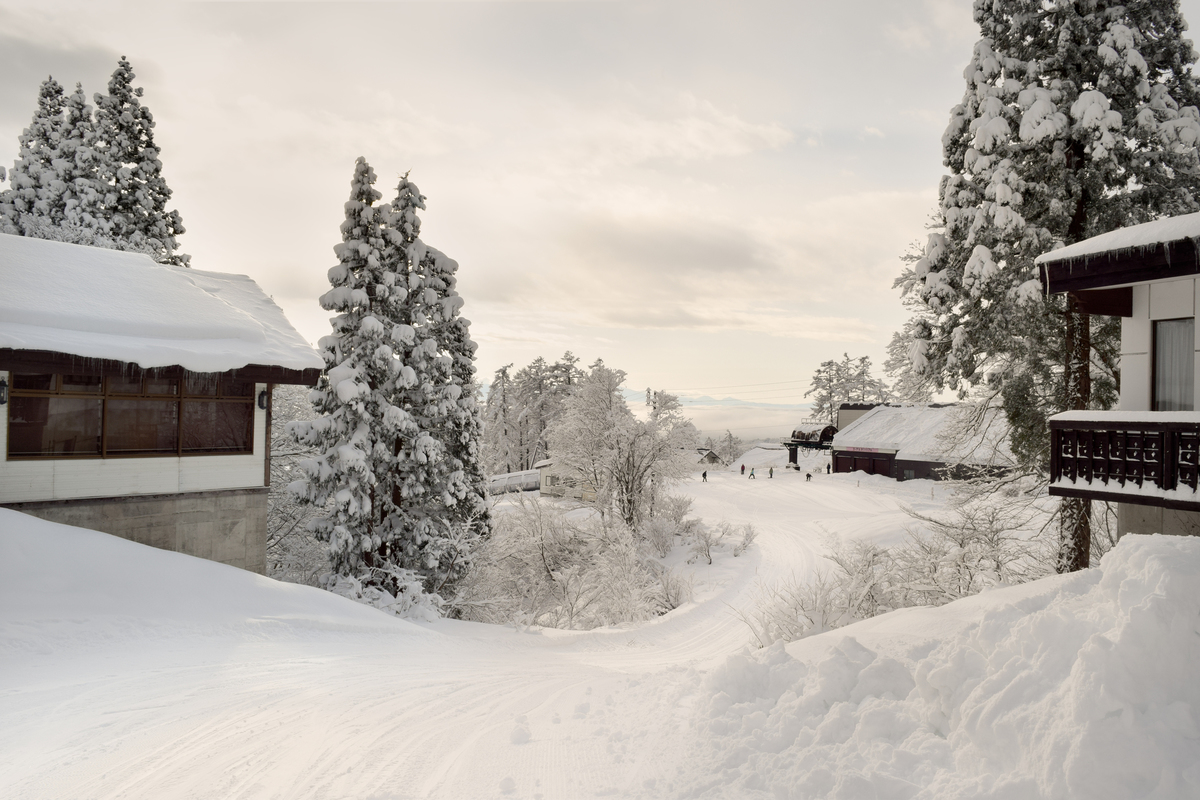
137,673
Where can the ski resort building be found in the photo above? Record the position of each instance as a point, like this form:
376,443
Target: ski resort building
135,398
925,441
1144,455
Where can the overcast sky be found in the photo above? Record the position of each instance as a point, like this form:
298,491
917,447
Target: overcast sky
713,197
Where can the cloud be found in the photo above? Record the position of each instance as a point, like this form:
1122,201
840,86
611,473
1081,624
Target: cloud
25,63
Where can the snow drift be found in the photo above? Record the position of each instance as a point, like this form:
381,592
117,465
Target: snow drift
1076,686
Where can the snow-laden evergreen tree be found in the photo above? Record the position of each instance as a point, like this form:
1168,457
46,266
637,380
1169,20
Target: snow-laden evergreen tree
461,426
1079,117
34,170
363,434
75,200
130,171
499,453
845,381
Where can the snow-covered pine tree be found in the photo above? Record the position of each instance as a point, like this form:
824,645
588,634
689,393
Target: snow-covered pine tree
76,202
359,433
34,168
136,194
460,427
1079,117
427,484
499,455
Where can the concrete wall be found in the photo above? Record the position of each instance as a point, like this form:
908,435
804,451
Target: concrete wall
1152,301
228,526
1151,519
62,479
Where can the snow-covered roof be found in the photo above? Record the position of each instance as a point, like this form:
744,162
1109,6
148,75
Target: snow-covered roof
928,433
1148,234
107,304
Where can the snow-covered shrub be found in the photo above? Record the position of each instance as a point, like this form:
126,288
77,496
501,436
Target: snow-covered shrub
985,542
670,521
749,534
542,566
705,538
410,600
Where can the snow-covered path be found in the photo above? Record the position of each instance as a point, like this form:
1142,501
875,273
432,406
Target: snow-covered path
178,695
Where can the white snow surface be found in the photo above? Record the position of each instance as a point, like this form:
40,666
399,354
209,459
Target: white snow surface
136,673
99,303
1117,417
926,433
1148,234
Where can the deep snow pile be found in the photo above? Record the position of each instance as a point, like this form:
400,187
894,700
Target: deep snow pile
1079,686
132,672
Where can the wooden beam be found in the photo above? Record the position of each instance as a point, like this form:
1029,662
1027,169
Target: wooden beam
1107,302
46,361
1176,259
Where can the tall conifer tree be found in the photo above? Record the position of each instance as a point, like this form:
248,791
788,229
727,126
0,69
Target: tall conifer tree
34,168
359,431
1079,117
136,194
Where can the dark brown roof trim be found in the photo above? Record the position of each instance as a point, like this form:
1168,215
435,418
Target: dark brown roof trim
1175,259
42,361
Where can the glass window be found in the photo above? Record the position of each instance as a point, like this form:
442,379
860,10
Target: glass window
51,416
200,386
60,426
141,427
215,427
162,386
81,383
125,385
33,383
1174,364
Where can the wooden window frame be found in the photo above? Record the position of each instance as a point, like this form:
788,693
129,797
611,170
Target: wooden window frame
105,393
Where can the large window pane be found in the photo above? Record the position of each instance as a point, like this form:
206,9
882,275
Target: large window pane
1174,364
81,383
33,383
213,427
123,385
61,426
142,427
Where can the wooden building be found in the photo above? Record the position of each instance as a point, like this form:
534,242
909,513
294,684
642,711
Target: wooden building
1144,455
920,442
135,397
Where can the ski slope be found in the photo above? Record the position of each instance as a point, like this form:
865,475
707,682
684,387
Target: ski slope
128,672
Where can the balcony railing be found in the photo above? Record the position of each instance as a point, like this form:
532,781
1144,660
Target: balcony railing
1148,459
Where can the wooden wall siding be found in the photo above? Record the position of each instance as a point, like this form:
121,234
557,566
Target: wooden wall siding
62,479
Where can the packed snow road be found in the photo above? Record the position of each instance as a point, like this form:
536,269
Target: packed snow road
127,672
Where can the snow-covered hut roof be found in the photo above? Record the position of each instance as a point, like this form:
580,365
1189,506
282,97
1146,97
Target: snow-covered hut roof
931,433
106,304
1148,234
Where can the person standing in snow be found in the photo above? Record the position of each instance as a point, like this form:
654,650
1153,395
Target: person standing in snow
826,469
770,472
752,473
704,476
807,477
744,469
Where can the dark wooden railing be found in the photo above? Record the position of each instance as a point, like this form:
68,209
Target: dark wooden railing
1115,458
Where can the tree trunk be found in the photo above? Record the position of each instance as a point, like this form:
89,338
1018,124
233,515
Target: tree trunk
1075,513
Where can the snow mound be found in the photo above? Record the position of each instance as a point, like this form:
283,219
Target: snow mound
61,585
1078,686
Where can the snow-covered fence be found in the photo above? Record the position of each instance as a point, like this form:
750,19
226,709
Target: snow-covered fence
527,481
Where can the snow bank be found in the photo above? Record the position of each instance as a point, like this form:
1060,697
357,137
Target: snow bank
1076,686
98,303
71,586
1148,234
